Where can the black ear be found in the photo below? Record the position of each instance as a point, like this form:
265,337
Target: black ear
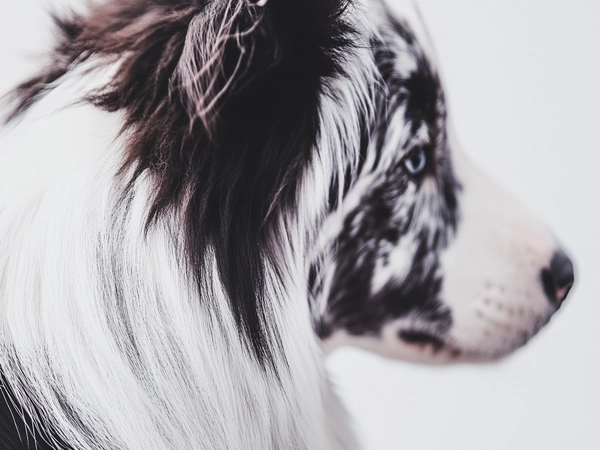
221,101
232,45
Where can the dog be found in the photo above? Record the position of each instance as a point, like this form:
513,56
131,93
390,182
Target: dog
199,199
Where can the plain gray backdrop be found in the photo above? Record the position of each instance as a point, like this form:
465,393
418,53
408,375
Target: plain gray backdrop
523,82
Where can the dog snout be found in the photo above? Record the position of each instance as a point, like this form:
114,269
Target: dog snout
558,278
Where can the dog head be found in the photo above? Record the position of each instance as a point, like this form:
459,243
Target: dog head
426,259
269,151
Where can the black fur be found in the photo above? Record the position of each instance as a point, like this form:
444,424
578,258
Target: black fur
17,430
368,229
225,176
239,171
230,176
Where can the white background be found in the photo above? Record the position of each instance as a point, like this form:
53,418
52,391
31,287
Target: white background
523,82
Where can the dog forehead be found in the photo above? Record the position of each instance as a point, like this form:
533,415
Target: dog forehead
408,14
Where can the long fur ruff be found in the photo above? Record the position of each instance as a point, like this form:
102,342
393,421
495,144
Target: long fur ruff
157,292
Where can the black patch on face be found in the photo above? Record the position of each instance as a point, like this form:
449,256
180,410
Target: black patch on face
424,91
231,177
354,308
375,225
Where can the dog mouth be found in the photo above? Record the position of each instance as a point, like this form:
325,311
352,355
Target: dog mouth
446,350
428,340
422,338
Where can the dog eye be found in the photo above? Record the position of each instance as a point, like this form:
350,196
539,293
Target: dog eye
415,162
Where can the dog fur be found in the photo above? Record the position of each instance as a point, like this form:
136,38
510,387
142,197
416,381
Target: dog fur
199,196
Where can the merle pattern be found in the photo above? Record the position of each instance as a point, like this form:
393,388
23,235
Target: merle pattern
389,212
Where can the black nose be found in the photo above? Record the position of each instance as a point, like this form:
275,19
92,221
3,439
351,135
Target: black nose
558,278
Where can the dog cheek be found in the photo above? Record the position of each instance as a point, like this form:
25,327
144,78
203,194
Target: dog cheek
492,269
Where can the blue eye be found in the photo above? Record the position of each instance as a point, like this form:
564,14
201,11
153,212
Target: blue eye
416,161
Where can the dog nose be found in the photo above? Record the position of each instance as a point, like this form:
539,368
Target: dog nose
558,278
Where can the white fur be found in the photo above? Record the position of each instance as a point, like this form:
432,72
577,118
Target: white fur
154,367
65,247
499,302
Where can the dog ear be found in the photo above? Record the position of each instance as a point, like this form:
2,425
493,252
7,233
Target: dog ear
231,44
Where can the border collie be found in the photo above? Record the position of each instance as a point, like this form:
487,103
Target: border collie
200,198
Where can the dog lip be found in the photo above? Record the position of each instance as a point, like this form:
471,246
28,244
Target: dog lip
420,337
